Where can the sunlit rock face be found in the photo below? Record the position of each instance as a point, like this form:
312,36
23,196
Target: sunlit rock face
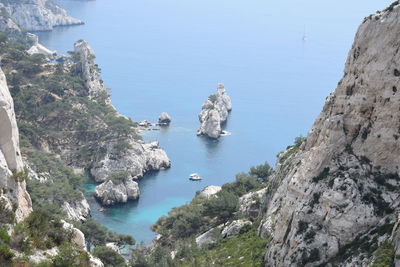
214,113
13,191
344,181
38,15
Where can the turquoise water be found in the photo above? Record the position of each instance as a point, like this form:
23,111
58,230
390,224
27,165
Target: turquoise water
169,56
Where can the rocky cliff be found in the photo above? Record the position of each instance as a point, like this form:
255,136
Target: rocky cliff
214,113
12,184
7,24
335,198
89,70
38,15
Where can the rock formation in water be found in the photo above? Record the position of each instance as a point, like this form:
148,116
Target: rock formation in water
214,113
164,119
38,15
110,193
336,200
12,184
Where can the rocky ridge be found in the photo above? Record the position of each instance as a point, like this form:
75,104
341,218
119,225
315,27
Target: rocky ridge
214,113
38,15
86,66
335,198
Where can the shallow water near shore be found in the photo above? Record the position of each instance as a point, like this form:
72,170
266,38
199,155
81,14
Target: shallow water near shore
169,56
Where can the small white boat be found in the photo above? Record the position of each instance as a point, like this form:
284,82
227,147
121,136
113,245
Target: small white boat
195,177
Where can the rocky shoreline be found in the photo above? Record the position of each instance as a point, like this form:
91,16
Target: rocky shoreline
38,15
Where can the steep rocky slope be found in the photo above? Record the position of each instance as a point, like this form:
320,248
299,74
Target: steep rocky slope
13,190
15,202
335,199
38,15
214,113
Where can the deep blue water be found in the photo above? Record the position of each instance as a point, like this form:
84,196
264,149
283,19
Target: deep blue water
169,56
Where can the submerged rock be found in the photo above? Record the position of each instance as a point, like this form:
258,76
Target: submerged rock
110,193
214,113
164,119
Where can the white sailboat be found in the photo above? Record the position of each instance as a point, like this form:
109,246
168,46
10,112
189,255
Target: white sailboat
195,177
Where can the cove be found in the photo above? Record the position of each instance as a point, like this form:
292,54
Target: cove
169,56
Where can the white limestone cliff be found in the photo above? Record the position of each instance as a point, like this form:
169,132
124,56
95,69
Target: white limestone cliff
214,113
38,15
89,70
12,191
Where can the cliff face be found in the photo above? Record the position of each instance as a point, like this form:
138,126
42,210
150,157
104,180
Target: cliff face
344,181
89,70
7,24
214,113
12,191
38,15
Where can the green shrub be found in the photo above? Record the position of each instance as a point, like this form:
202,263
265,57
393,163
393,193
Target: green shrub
70,256
7,216
6,255
109,257
223,206
261,171
383,256
322,175
212,98
20,176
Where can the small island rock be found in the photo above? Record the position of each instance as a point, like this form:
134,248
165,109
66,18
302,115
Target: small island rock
164,119
214,113
110,193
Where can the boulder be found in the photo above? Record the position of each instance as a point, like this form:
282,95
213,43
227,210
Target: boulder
78,210
250,203
234,227
209,237
210,190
